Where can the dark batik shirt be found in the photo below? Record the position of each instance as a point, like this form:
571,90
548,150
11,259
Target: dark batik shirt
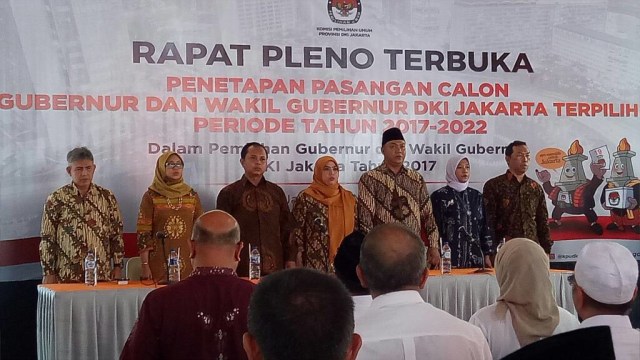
201,317
72,224
386,197
517,209
462,223
263,215
311,232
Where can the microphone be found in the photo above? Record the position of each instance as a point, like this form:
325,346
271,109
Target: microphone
163,236
477,244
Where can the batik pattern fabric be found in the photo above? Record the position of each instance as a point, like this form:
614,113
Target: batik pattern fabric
265,221
310,233
386,197
72,225
462,223
517,209
175,218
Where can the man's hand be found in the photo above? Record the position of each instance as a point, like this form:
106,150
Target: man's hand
145,272
433,258
632,203
50,279
116,273
289,264
487,262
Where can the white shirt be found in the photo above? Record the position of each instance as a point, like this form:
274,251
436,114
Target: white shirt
360,304
400,325
502,337
626,340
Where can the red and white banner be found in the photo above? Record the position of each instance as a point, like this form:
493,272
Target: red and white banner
308,78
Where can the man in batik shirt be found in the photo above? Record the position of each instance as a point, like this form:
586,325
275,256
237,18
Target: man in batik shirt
79,217
393,193
261,209
205,315
514,203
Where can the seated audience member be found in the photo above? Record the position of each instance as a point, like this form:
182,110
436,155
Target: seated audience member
526,310
399,324
604,287
592,343
345,263
205,315
301,314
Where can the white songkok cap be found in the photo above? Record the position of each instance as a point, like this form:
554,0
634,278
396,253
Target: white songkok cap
607,272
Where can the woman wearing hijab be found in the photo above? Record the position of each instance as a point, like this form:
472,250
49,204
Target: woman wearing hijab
324,214
170,207
459,213
526,310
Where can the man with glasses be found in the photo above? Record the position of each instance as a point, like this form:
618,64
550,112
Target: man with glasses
514,203
262,211
393,193
79,217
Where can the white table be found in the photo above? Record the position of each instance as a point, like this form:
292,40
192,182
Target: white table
76,321
464,293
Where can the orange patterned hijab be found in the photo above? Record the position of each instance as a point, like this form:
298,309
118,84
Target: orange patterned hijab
172,189
340,201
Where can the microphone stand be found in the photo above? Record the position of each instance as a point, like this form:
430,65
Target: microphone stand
475,242
162,236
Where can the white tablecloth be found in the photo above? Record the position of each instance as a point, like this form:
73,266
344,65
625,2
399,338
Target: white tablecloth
463,295
75,321
80,322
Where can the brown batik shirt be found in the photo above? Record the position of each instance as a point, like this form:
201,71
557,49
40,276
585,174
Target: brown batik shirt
72,224
517,209
263,215
386,197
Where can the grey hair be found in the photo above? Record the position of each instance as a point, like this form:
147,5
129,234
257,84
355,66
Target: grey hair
206,236
79,153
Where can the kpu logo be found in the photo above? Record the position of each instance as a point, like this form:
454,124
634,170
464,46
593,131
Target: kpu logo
344,11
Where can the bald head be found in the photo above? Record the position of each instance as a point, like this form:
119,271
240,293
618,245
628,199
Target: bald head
216,227
392,258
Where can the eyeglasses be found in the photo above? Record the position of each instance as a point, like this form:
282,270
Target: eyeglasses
172,165
572,280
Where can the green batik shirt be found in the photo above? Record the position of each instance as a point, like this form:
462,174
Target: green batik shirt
72,224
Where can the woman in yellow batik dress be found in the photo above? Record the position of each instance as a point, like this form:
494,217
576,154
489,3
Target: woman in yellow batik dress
169,208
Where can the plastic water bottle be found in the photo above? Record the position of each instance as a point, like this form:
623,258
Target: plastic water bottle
446,258
500,245
254,263
90,269
173,264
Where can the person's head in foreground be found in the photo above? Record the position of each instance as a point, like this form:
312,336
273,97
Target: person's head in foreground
522,271
215,241
346,261
605,280
301,314
392,258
